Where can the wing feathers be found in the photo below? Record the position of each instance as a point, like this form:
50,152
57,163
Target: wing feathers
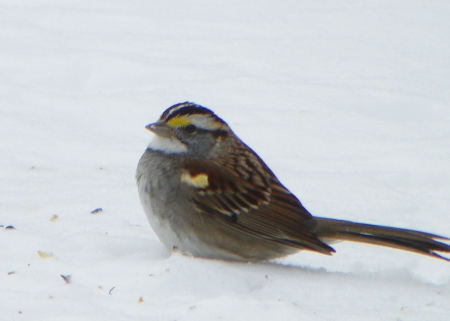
245,199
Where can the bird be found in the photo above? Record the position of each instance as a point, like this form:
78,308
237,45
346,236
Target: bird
207,194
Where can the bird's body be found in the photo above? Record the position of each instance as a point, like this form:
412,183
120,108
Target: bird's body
200,235
208,194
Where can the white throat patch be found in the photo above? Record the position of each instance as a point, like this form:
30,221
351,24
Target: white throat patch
167,145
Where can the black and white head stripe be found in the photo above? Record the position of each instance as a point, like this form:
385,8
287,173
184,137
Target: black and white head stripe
186,113
180,118
184,109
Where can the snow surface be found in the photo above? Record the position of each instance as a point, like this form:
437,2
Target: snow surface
347,101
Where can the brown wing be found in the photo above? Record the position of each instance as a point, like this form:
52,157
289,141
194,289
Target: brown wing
252,199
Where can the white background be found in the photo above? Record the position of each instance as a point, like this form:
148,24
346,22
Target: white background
347,101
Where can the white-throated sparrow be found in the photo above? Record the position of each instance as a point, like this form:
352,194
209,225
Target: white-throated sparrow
207,193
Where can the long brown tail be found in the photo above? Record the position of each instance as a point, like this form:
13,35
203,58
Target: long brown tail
409,240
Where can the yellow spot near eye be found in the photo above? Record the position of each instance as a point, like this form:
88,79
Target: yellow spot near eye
178,121
199,180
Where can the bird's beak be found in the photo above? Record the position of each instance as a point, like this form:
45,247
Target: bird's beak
160,129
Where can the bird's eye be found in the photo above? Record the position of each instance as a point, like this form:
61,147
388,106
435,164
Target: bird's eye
190,128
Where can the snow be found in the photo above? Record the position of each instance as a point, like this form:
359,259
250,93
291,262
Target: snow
347,101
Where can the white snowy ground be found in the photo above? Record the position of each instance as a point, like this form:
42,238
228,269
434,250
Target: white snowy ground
347,101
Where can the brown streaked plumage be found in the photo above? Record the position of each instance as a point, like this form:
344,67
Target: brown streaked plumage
207,193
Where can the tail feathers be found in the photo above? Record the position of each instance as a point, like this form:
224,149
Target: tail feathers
409,240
